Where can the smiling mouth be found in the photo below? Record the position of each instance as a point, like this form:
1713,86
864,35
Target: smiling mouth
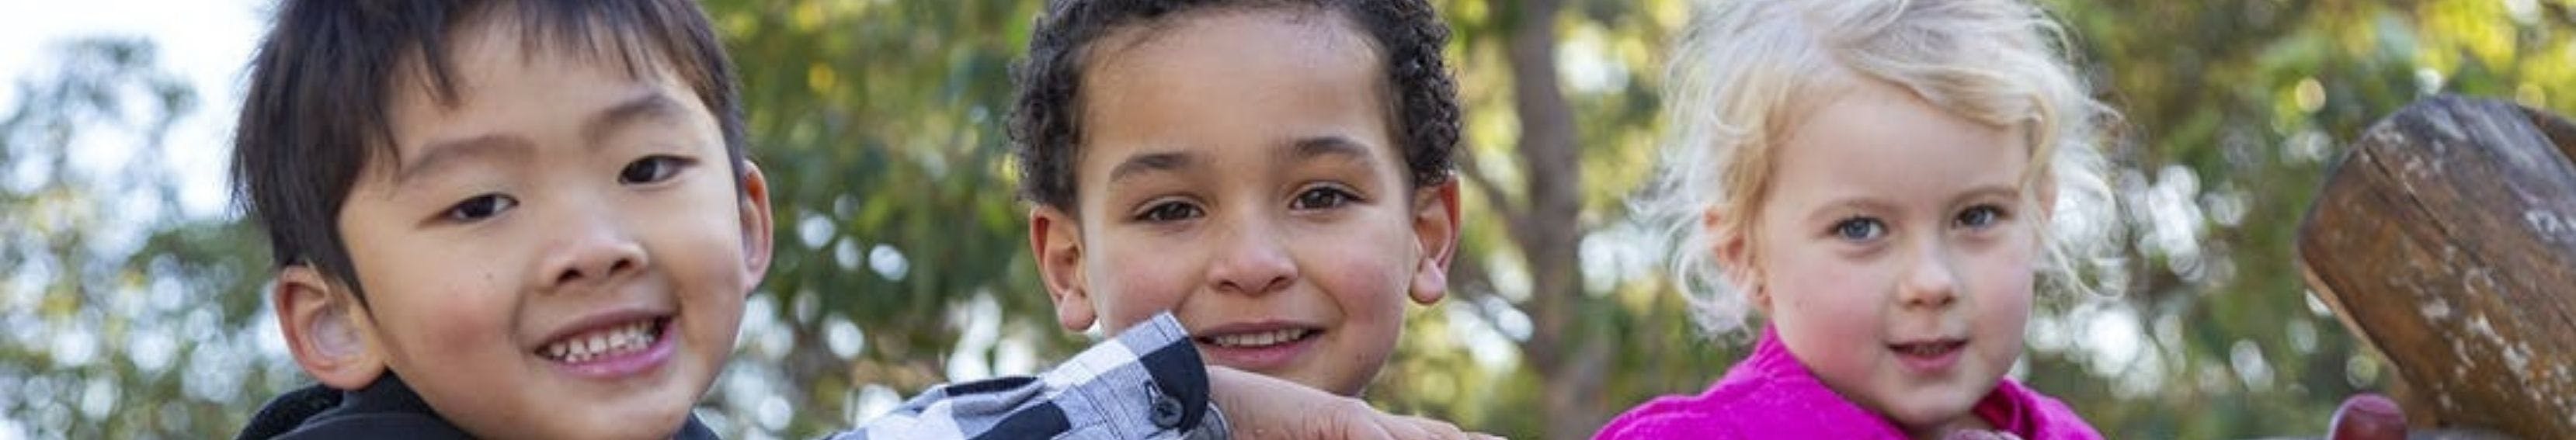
1258,339
613,340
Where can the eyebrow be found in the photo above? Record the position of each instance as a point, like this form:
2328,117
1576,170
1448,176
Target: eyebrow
1150,162
1845,207
1836,209
1302,149
1329,145
447,154
648,105
440,155
2007,192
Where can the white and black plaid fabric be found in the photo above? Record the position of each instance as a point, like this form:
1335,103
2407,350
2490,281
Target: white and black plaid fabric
1145,383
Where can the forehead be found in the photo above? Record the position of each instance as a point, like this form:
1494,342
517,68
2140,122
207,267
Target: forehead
1272,69
1875,137
501,75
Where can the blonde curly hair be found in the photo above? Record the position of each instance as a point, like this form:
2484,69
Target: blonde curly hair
1744,70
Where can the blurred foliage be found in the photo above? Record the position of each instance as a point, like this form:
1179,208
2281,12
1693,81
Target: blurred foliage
124,318
902,259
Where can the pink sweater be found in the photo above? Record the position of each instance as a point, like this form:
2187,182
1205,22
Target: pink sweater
1771,395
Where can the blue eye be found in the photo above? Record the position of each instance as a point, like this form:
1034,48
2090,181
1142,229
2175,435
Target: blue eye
480,207
651,169
1859,229
1980,217
1167,212
1323,198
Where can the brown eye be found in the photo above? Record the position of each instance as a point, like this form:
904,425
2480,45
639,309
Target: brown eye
651,169
1168,212
1323,198
480,207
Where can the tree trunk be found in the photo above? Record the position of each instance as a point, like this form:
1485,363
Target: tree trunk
2447,239
1567,355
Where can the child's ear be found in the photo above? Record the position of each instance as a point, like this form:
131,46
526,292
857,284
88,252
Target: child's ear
1435,225
1733,248
756,224
326,329
1056,240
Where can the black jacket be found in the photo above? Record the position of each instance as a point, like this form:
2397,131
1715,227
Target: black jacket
386,409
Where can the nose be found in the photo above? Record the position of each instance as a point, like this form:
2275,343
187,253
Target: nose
587,251
1252,259
1931,280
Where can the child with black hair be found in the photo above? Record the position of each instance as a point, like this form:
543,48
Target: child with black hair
500,219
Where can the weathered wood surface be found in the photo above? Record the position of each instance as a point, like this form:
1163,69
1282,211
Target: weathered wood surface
2447,239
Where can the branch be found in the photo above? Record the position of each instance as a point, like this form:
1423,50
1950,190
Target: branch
1485,186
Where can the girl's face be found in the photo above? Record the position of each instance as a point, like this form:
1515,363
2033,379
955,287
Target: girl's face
1894,253
1238,170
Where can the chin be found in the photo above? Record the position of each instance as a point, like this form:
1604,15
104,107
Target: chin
1933,412
653,424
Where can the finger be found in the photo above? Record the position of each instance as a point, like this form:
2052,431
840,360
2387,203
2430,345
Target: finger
1435,429
1405,428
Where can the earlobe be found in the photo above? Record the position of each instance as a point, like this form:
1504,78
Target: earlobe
1435,224
756,225
325,329
1056,240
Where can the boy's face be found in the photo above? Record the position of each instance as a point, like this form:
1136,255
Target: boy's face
1238,170
563,253
1895,254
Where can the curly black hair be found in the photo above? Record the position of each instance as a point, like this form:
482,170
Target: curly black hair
1045,126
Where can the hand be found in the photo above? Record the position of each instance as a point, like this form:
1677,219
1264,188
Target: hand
1262,408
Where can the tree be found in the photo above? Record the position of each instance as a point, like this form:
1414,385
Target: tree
127,319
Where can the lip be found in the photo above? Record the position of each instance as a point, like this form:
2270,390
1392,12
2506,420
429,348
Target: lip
620,365
1945,356
1262,359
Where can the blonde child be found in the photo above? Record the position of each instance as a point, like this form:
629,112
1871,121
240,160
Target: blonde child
1885,182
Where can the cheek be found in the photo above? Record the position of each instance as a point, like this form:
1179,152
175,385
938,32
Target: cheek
1368,272
435,325
1144,276
2005,288
2005,275
1817,283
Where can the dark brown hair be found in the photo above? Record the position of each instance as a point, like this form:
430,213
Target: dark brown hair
1046,127
324,78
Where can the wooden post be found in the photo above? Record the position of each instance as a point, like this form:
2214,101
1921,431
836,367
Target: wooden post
2447,240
